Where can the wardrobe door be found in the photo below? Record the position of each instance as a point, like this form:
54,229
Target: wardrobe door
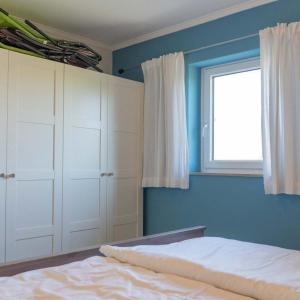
85,158
3,128
124,194
34,157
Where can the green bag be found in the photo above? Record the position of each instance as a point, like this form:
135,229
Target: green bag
27,38
9,21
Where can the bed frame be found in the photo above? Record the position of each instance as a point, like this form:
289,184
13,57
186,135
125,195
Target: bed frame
157,239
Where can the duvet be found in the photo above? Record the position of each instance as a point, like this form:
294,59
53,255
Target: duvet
258,271
106,278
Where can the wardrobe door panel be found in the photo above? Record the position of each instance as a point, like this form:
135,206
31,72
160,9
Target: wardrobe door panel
3,128
34,160
124,159
85,158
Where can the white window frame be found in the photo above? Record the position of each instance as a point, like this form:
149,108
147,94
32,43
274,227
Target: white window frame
208,165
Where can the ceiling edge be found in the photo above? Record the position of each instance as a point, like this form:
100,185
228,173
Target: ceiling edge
191,23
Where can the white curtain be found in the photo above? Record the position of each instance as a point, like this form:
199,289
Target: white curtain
165,130
280,62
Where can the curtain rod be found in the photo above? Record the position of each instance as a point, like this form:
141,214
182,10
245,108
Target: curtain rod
121,71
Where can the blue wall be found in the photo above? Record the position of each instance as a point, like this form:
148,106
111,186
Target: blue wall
233,207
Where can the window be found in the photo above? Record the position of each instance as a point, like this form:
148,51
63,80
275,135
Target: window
231,118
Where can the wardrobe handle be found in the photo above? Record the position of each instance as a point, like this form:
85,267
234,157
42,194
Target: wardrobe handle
2,175
106,174
12,175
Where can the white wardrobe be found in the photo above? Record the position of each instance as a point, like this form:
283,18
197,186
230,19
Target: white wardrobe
70,158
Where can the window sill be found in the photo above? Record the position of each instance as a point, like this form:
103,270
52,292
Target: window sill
224,174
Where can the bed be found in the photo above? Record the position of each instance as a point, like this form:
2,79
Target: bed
177,265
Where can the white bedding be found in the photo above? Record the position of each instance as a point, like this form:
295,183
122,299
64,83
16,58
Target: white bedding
204,268
106,278
258,271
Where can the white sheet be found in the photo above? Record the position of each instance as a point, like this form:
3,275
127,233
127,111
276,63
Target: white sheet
105,278
258,271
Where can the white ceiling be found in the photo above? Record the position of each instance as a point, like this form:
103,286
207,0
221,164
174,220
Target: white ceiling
120,22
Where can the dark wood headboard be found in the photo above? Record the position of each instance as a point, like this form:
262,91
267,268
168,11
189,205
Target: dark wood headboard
164,238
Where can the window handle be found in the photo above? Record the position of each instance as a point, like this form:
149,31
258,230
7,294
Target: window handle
204,128
2,175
